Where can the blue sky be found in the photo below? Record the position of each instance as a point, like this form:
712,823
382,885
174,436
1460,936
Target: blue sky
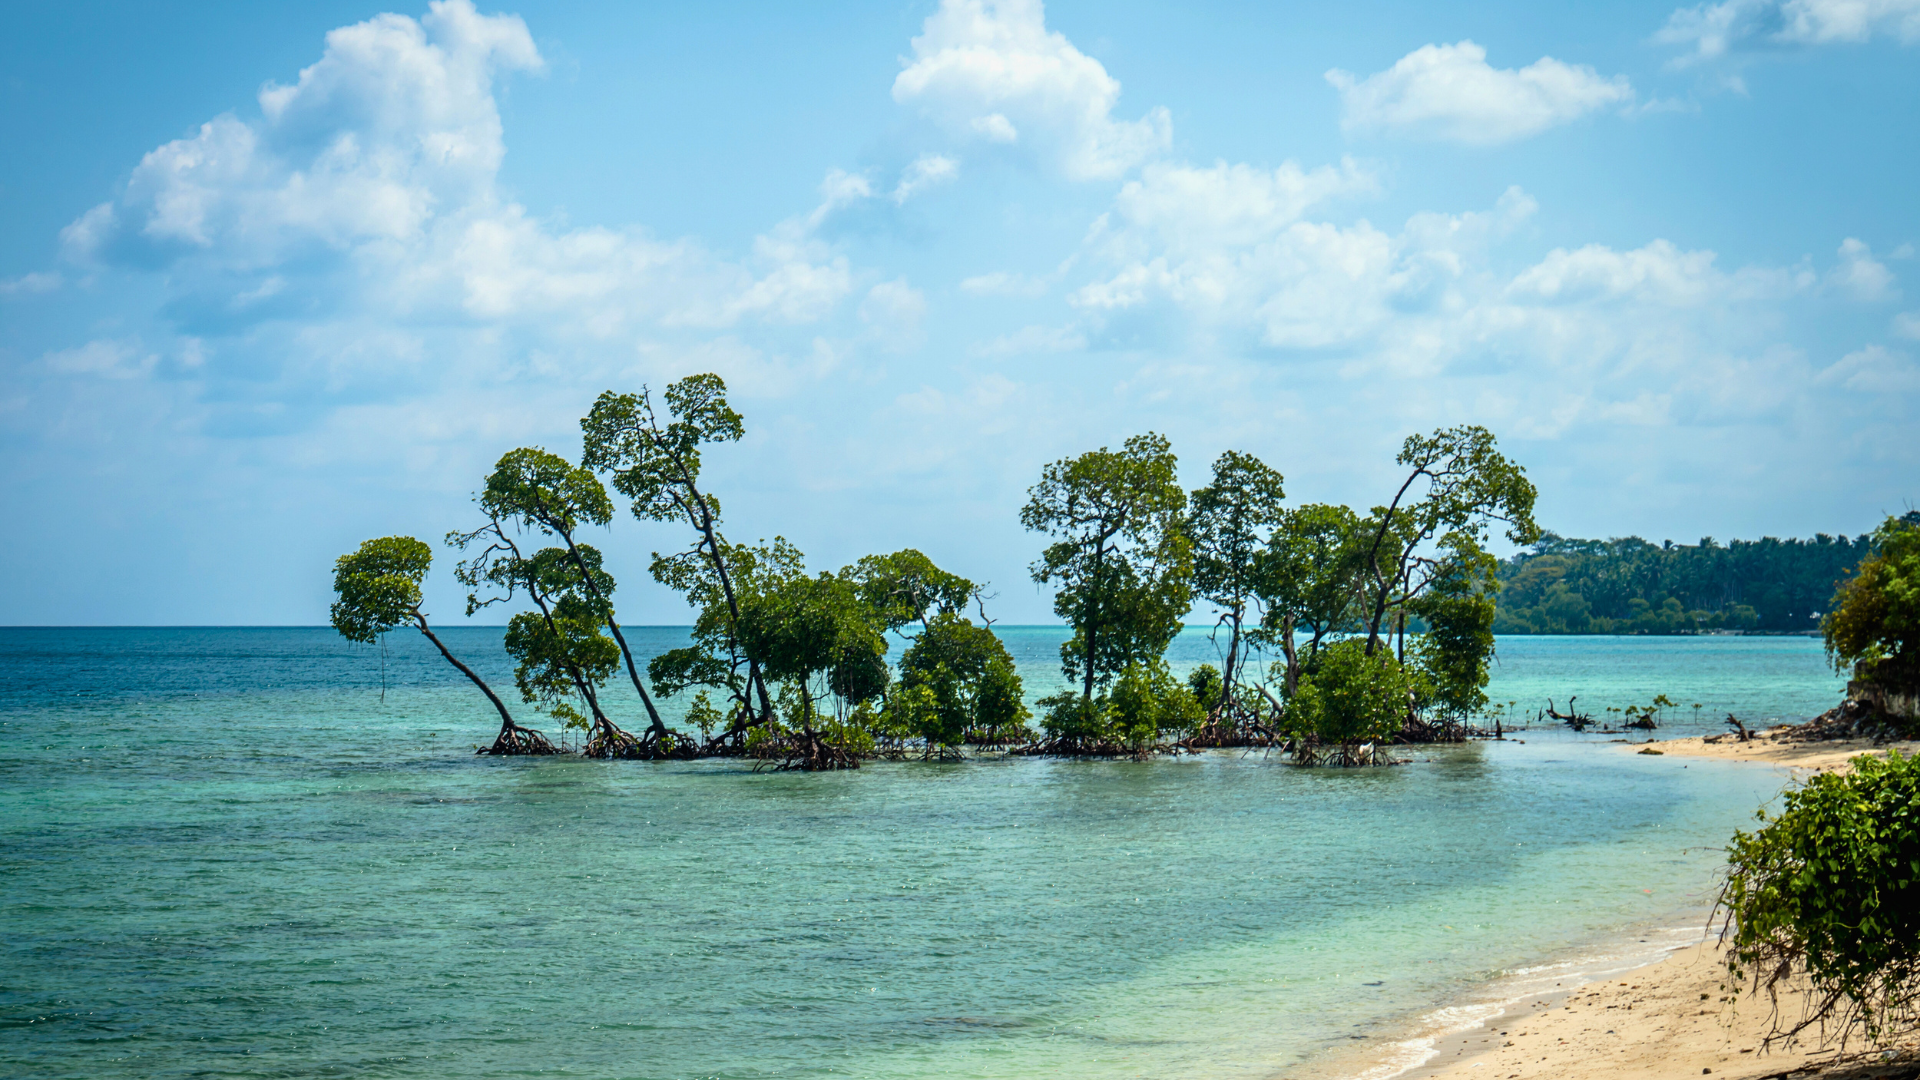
276,279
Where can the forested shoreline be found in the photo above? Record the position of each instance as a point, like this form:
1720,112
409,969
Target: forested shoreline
1627,585
1380,624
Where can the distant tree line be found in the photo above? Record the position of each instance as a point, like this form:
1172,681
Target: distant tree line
1631,586
1381,622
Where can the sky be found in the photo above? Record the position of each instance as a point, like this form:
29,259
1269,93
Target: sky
275,279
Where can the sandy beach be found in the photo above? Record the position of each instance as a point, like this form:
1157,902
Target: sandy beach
1677,1017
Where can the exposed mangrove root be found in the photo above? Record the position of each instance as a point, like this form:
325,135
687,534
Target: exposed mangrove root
611,742
1312,752
802,750
1417,731
515,740
1075,746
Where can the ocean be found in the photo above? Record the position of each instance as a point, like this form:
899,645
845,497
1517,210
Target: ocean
263,852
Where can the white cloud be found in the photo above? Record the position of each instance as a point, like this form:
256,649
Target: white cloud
927,170
1006,283
1031,340
1451,93
1875,369
1228,249
1713,30
1182,208
1907,325
28,284
1860,275
1657,273
991,70
104,358
368,185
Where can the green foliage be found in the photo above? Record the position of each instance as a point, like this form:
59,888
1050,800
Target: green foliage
1830,890
1309,580
796,711
1467,487
1205,684
1630,586
1230,523
1351,697
1143,706
1874,628
555,653
1072,716
655,464
1458,608
804,626
905,587
1122,562
958,680
1147,703
545,491
702,714
716,658
378,586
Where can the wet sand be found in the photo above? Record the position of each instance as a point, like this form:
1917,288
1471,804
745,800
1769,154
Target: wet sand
1677,1017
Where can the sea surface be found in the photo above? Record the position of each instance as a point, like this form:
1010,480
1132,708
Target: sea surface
266,853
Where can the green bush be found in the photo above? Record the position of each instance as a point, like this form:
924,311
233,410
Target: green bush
1830,890
1874,627
1350,697
1146,704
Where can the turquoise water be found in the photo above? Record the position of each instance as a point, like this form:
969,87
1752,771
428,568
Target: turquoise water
224,854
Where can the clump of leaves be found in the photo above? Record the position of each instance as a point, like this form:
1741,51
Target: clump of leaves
1874,628
1350,698
1829,891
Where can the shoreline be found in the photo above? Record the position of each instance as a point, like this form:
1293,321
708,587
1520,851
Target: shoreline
1664,1012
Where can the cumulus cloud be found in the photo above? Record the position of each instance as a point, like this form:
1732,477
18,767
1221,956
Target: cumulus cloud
369,185
106,359
40,281
1593,337
927,170
1658,273
1709,31
1451,93
1874,369
1859,275
1231,249
989,71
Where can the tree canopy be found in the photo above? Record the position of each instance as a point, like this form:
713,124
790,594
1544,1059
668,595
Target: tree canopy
1122,561
1874,628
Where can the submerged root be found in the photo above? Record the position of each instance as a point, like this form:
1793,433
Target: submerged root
515,740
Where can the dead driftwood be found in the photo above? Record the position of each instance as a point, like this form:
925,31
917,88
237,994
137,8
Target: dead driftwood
1578,721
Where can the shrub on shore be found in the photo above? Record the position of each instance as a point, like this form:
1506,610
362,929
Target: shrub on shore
1829,892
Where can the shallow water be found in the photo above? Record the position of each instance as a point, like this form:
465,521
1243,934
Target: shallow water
224,855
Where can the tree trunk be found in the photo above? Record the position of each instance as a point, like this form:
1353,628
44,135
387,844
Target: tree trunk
613,624
1293,656
513,739
1233,651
